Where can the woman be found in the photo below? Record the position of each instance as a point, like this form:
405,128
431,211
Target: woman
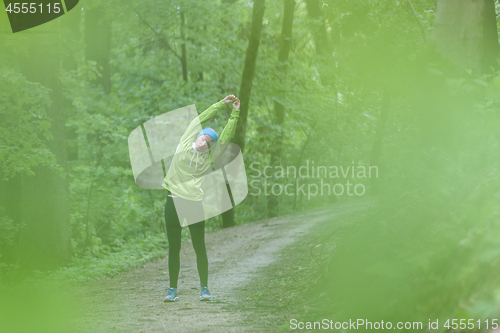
183,183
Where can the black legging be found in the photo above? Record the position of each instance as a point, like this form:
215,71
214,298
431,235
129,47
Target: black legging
174,241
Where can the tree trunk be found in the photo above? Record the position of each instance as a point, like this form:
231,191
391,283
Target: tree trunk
183,48
246,88
464,38
301,156
72,37
323,46
249,71
45,239
98,41
98,49
490,48
198,73
279,109
465,33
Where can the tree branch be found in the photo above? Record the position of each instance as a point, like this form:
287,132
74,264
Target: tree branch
162,38
418,21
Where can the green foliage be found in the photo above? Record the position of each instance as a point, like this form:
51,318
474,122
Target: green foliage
24,125
430,249
113,259
8,231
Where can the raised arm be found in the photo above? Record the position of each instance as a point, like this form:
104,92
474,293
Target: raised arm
227,134
200,121
230,128
206,115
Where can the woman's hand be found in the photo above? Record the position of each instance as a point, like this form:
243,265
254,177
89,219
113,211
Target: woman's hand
229,99
232,99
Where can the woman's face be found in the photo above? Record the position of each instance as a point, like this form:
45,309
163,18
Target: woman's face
202,142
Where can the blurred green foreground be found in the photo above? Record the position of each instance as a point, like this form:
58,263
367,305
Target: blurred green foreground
411,87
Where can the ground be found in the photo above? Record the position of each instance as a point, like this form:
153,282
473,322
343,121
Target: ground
258,276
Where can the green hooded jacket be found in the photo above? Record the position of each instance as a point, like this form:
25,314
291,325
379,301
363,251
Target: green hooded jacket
188,167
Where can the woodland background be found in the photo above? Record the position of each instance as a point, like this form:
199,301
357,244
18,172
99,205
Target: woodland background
409,86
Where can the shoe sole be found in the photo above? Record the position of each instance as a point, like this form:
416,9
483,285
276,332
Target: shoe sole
204,299
171,300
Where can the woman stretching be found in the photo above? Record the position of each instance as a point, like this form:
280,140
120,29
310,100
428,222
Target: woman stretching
184,194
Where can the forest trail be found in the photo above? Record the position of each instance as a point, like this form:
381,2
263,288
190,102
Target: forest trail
133,301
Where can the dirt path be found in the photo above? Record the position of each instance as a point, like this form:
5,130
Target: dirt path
133,301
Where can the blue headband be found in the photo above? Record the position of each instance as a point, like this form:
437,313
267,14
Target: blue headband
210,132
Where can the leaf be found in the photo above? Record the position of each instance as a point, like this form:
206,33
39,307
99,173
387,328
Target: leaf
44,125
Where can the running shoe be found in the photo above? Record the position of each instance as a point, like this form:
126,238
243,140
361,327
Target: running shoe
205,294
172,295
